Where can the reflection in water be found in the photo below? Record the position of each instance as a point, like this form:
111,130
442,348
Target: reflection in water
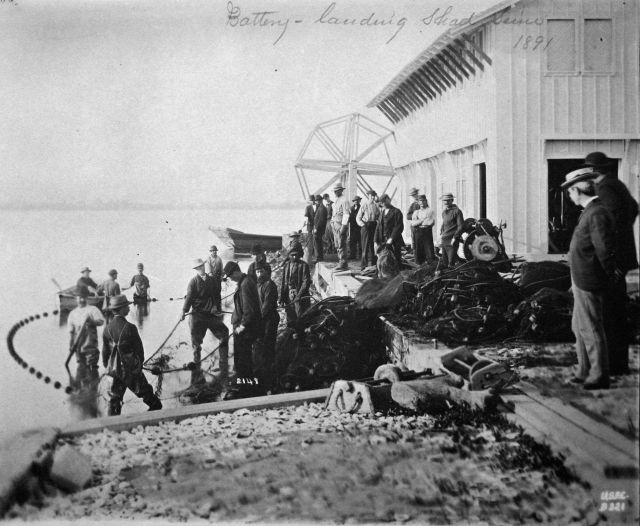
141,310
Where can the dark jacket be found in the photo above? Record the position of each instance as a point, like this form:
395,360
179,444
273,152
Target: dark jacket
615,197
123,335
310,214
320,218
202,295
353,214
268,295
246,305
591,253
412,208
390,226
452,220
295,275
251,271
86,282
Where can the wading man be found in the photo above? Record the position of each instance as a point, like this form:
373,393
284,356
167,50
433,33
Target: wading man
296,279
615,197
85,281
82,322
247,327
213,264
142,285
263,361
593,269
123,357
367,219
203,299
452,220
109,288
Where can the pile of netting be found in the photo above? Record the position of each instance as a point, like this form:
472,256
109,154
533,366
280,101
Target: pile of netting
333,339
475,303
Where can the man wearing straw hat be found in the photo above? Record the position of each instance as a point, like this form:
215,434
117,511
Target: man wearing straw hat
203,299
123,356
340,225
452,220
593,269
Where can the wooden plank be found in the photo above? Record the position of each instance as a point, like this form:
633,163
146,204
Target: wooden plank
176,414
478,50
455,60
462,47
18,455
447,67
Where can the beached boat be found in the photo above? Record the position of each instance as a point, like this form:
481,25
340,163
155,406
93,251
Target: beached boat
67,299
241,242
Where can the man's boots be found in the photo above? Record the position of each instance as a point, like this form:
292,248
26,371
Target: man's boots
154,403
115,407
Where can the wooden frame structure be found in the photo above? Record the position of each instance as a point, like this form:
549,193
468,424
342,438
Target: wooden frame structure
347,161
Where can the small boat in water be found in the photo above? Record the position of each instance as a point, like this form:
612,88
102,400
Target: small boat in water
241,242
67,299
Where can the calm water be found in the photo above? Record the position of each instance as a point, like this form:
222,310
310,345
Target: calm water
39,246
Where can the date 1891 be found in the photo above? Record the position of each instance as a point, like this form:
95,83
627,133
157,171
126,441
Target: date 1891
529,43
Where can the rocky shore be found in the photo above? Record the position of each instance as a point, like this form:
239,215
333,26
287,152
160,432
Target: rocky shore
304,464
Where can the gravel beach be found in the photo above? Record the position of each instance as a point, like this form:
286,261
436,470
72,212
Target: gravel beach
304,464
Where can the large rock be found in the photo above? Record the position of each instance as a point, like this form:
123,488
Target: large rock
71,469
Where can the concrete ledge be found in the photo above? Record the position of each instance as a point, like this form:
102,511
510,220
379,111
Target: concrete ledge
176,414
342,284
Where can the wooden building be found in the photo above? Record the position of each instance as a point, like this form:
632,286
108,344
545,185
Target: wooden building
499,109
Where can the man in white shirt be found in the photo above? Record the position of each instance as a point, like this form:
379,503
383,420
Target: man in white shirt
367,218
82,323
422,222
340,225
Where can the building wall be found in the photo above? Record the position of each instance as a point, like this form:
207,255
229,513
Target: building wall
573,109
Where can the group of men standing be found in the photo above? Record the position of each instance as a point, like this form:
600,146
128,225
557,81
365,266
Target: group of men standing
601,252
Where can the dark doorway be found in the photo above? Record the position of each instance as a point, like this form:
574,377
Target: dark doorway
563,214
482,190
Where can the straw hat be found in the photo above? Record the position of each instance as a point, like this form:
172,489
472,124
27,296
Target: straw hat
582,174
197,263
118,301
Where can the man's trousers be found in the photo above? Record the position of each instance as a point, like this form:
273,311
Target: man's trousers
367,233
340,241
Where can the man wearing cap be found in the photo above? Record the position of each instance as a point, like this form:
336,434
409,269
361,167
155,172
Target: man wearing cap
247,326
593,269
390,227
615,197
319,228
109,288
367,220
85,281
415,205
213,263
142,285
355,243
203,300
340,225
263,362
82,323
123,357
422,223
452,220
258,255
296,279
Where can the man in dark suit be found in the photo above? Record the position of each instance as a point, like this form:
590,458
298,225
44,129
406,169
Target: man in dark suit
264,360
319,227
309,216
247,327
616,198
355,243
203,298
593,269
123,357
390,227
296,279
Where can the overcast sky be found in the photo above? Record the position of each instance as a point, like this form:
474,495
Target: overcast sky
171,101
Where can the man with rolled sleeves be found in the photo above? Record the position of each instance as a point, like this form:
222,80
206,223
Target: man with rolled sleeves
340,225
452,220
367,219
202,300
319,228
593,269
247,327
390,227
615,197
123,357
422,223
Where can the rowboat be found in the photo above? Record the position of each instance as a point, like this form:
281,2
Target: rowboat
67,299
241,242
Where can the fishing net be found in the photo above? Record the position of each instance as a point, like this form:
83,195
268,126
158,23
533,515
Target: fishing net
333,339
544,274
545,316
